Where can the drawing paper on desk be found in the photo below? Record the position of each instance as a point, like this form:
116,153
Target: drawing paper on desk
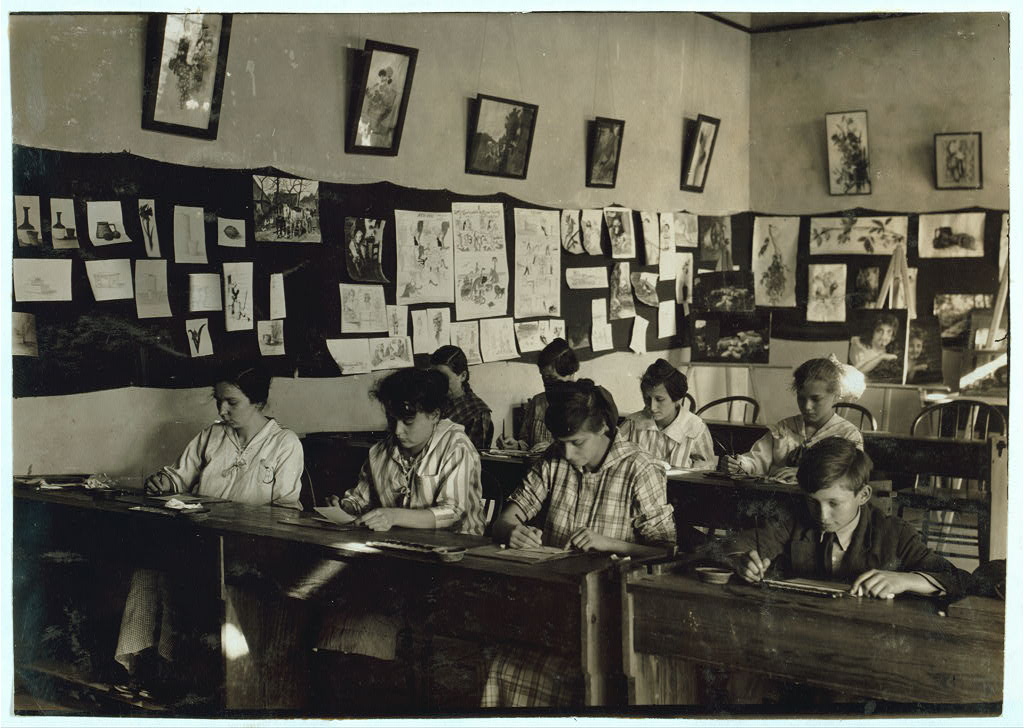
811,586
466,336
23,334
204,292
189,234
362,308
538,263
533,555
497,339
238,296
351,355
425,264
277,303
104,223
151,289
198,333
591,225
335,514
481,264
111,278
430,329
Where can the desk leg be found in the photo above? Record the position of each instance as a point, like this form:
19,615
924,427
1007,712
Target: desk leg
600,651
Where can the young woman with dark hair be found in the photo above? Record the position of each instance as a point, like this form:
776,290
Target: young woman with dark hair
557,363
464,406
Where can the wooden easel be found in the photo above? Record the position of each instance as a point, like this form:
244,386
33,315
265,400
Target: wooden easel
887,293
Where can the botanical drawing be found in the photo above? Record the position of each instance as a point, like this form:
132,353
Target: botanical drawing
870,236
826,292
848,153
774,262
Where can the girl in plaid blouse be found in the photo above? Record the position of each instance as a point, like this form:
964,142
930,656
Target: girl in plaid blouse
464,407
557,363
603,494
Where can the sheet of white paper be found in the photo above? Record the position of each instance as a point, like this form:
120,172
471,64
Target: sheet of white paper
151,289
271,337
238,296
652,238
638,340
335,514
684,277
363,310
63,231
42,280
591,277
189,235
826,292
391,352
774,260
106,226
398,320
620,231
666,231
430,329
591,224
685,229
278,310
599,311
204,292
528,335
147,220
481,265
425,262
857,235
601,337
556,330
28,227
666,319
23,334
951,235
497,339
351,355
466,336
620,294
198,333
230,232
572,234
111,279
538,263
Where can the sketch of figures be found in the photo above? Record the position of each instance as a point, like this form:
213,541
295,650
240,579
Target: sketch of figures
857,235
151,289
391,352
666,249
715,242
538,263
23,334
198,333
364,241
591,226
572,233
270,335
652,237
953,235
28,228
362,308
398,320
238,296
105,224
497,339
466,336
685,229
620,295
774,260
684,278
424,247
620,231
430,329
286,209
351,355
147,219
111,279
481,263
62,225
645,285
826,292
189,234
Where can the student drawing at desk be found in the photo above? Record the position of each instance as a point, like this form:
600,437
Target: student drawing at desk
557,362
603,493
464,406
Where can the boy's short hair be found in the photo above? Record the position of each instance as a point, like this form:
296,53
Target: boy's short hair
834,459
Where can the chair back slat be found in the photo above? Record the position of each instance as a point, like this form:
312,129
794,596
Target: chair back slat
751,407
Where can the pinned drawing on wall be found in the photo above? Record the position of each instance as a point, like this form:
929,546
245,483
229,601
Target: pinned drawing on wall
364,243
620,294
666,249
500,137
736,338
430,329
481,263
898,299
620,231
528,335
198,333
685,230
151,289
847,135
63,233
958,161
878,345
466,336
638,338
189,235
204,292
424,248
270,335
715,242
852,235
230,232
278,308
41,280
826,292
104,222
398,320
28,227
953,311
572,233
590,222
951,235
186,63
285,209
645,286
666,231
351,355
727,291
667,324
590,277
238,296
362,308
652,237
774,260
684,277
538,263
924,351
604,145
147,221
866,286
497,339
390,352
380,99
600,328
110,278
697,156
24,341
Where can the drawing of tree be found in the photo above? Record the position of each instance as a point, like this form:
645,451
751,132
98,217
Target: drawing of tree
773,278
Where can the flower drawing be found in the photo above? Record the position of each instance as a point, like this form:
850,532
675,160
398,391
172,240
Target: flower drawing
851,173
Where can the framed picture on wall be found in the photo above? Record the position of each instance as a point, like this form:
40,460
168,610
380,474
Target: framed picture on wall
500,137
848,169
697,159
603,147
380,99
186,60
958,161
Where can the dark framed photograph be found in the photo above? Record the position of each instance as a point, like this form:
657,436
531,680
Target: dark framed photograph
849,172
186,60
603,147
958,161
380,99
697,159
500,137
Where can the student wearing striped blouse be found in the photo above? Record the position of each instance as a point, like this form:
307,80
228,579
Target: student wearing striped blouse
663,428
557,363
464,406
426,472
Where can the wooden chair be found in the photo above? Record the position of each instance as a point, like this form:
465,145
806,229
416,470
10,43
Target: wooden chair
858,415
492,498
953,511
751,407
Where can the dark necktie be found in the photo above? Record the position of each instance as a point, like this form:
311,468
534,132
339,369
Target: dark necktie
828,540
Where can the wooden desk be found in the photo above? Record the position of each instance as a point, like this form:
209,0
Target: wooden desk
899,650
570,606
